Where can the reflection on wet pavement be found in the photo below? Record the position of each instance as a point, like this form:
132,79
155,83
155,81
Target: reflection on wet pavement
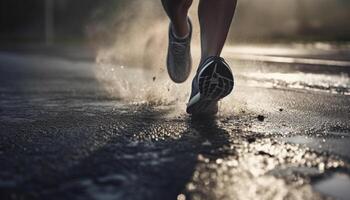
76,138
337,84
336,186
327,142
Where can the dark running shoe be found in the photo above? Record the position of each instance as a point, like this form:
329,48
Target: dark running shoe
179,61
213,81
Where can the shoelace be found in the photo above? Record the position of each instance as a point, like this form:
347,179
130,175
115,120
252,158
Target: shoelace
178,48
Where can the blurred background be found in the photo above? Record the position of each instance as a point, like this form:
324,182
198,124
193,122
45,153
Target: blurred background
65,21
87,109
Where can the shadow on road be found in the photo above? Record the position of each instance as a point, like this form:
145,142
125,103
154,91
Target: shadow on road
147,159
65,138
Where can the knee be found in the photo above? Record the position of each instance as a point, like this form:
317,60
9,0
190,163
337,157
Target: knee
179,3
176,6
187,3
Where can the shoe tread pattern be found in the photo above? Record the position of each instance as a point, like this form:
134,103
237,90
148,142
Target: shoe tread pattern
216,82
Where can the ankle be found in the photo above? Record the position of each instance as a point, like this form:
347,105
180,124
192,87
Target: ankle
204,57
181,30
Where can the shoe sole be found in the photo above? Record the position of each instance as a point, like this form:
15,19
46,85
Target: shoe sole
215,82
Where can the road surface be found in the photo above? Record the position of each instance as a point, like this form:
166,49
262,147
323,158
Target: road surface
74,129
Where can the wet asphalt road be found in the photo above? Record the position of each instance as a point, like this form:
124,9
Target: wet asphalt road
63,136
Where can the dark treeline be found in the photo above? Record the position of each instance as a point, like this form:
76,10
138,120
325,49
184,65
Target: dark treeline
25,20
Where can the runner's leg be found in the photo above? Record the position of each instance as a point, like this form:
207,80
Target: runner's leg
177,11
215,17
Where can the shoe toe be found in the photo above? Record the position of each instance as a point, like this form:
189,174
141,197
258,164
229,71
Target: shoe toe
180,72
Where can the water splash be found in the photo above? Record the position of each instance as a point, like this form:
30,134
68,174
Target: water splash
132,66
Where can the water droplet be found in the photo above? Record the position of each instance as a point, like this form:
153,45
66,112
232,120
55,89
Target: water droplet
181,197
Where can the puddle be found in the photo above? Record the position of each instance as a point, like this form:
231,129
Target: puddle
337,143
336,186
336,84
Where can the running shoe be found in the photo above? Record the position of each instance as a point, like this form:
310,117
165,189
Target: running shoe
179,59
213,81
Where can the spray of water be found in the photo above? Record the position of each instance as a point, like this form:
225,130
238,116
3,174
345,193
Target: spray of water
132,64
132,67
